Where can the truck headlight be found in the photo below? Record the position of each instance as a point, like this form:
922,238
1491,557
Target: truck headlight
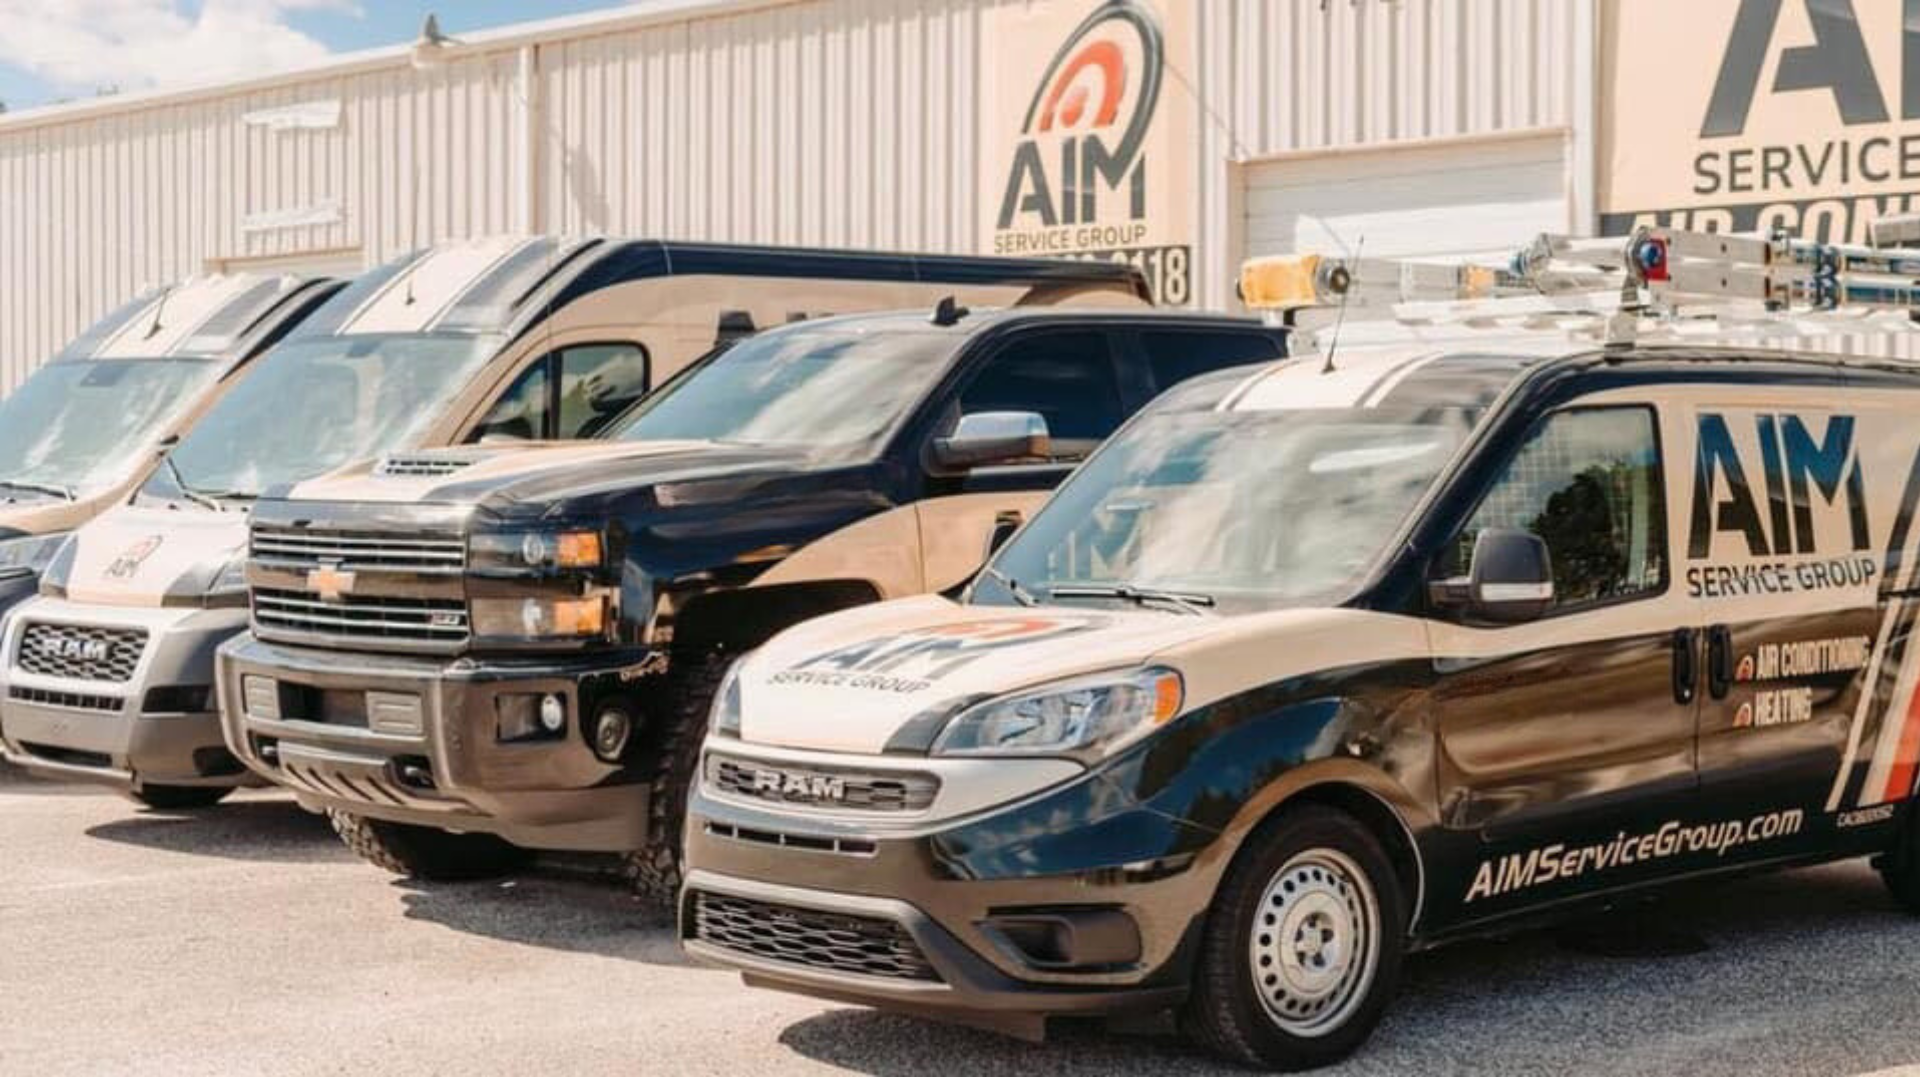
522,550
29,555
540,617
1086,718
725,718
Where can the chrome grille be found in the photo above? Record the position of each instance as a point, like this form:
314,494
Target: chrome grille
351,549
87,653
854,944
825,786
440,621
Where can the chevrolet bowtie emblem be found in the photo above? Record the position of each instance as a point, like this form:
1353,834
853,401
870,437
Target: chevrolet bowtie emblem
330,582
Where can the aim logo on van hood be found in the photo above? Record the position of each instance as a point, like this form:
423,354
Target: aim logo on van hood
1087,122
143,556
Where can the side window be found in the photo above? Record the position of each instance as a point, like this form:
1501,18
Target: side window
1588,483
1176,356
597,383
521,412
1067,377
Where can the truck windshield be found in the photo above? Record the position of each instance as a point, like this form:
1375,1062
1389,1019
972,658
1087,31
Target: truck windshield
312,405
1230,511
837,393
78,425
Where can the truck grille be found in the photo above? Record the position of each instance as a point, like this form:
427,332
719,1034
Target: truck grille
351,549
87,653
810,785
854,944
368,617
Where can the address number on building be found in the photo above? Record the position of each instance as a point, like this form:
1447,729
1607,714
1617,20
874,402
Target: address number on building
1168,270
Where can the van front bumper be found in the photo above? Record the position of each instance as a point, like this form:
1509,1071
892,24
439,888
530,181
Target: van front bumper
1070,902
415,740
151,720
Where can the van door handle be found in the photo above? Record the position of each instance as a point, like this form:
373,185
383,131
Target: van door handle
1719,661
1686,664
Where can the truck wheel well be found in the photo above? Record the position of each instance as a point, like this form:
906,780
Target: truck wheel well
739,619
1383,821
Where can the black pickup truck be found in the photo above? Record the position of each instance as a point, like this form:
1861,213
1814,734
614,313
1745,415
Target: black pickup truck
461,655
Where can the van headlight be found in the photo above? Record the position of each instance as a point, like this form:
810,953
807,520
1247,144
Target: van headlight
29,555
1086,718
725,718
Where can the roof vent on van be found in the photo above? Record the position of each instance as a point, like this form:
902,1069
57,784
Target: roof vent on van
733,326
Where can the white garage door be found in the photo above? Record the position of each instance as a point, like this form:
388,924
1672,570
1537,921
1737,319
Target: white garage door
1479,199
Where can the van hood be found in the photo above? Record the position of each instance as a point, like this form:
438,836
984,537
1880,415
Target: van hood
855,681
533,471
153,556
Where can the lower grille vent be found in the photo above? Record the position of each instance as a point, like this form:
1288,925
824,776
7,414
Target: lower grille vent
853,944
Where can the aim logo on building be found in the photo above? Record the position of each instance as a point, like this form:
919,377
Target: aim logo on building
1085,130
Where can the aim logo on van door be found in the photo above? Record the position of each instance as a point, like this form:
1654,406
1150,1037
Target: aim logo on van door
1792,501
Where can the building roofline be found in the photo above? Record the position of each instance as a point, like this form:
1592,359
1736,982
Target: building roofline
641,14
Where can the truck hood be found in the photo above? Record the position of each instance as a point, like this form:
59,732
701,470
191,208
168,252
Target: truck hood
535,471
153,556
854,681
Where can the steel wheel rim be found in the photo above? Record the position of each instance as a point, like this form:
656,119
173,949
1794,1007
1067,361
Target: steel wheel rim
1314,943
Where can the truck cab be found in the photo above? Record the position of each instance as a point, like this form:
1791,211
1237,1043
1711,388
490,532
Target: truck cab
108,673
477,652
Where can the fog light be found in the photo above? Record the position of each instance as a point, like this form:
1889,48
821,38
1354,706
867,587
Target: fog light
260,697
520,717
610,734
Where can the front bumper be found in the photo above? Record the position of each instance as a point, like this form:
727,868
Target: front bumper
421,749
157,726
1074,901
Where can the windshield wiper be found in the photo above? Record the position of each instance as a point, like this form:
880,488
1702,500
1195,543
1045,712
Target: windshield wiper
1191,603
1020,595
58,491
192,493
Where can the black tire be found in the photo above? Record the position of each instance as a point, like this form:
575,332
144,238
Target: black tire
170,797
429,854
1313,869
1900,867
654,870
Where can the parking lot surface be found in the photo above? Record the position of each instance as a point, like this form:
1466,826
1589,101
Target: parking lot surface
245,939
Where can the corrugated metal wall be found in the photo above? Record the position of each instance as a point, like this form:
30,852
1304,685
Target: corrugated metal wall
842,122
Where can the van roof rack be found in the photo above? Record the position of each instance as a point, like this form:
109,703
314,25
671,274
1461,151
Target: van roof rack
1655,282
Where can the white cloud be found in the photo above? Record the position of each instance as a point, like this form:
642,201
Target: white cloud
80,46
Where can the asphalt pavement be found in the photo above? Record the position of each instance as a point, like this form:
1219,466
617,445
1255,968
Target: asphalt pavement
245,939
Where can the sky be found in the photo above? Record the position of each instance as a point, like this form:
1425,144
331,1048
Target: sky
53,50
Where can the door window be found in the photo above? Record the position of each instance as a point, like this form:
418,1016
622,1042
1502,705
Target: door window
1178,355
597,383
522,412
1588,483
1067,377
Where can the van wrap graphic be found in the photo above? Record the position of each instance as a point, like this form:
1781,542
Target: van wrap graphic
1544,865
914,661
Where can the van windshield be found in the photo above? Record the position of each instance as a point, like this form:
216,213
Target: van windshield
314,404
837,393
1234,511
79,425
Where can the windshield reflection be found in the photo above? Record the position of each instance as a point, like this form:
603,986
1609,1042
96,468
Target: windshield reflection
78,425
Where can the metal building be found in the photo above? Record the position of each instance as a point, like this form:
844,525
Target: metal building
1179,134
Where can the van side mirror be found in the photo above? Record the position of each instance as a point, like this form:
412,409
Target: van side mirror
994,438
1509,581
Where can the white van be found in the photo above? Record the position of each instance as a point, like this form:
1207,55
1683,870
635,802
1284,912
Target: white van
1344,656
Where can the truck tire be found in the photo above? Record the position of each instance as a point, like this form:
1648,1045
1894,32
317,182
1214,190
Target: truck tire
1302,948
429,854
654,870
170,797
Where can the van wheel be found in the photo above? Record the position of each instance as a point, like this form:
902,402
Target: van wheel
1899,867
419,851
654,870
170,797
1303,946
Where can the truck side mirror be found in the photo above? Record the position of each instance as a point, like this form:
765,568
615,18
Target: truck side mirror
994,438
1510,579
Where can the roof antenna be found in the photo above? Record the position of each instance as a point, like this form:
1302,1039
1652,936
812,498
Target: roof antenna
1340,318
948,312
159,309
